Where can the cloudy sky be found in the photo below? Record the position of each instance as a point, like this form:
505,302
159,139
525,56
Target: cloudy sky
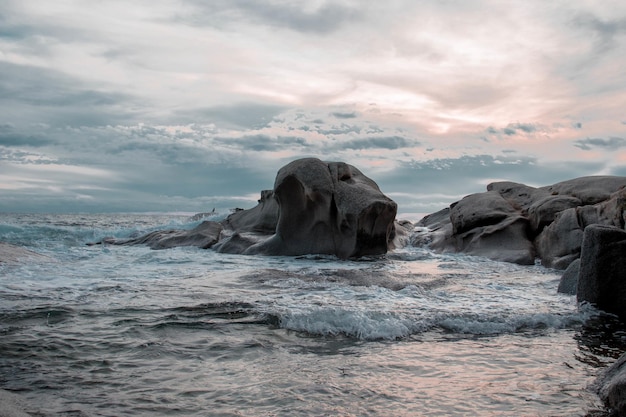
188,105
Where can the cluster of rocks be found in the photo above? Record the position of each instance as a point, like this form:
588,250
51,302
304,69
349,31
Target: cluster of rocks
576,225
331,208
315,207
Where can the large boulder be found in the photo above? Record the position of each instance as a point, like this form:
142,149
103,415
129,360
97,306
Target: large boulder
519,196
543,211
315,207
559,243
482,224
602,276
328,208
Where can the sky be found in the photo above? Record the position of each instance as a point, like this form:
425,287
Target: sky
190,105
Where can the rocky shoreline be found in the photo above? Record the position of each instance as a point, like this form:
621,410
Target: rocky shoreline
332,208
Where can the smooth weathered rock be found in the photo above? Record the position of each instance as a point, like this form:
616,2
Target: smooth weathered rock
315,207
589,190
602,277
204,236
519,196
482,224
513,221
543,211
480,209
506,241
328,208
611,387
569,279
559,243
262,218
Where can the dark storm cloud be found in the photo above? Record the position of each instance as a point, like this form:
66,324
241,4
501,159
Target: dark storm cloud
34,94
11,139
243,115
612,143
322,20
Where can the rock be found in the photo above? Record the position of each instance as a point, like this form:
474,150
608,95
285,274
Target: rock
519,196
238,243
543,211
505,241
477,210
569,279
589,190
401,236
611,387
315,207
483,224
515,222
602,277
204,236
328,208
559,243
262,218
434,231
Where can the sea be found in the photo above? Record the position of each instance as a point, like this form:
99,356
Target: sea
108,330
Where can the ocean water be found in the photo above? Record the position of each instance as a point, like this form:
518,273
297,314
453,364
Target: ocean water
129,331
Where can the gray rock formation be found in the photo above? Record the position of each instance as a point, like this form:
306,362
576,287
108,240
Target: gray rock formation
315,207
515,223
328,208
569,281
602,276
204,236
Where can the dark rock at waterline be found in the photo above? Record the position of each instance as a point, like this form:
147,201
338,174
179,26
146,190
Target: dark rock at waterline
315,207
328,208
569,280
515,223
204,236
602,276
611,387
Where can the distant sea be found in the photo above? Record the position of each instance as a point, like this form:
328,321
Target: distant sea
129,331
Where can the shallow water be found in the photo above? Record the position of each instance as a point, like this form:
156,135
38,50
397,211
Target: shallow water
107,330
